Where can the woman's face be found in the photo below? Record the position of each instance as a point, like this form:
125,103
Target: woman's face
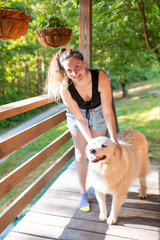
75,68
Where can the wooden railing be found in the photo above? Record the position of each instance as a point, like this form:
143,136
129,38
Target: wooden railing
15,142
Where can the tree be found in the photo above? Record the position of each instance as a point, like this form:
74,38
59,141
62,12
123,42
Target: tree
150,13
119,37
119,44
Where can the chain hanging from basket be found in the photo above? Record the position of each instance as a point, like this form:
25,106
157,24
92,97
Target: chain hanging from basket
13,21
52,30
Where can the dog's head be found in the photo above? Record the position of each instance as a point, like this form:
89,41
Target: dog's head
101,150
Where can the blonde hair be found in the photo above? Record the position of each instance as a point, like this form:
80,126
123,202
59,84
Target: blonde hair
56,73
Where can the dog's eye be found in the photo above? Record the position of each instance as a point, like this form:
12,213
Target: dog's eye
104,146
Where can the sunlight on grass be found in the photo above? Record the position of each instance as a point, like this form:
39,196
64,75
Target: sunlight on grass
134,89
142,112
150,115
135,98
144,116
142,88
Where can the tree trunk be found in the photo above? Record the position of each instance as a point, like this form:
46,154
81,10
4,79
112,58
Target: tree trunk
43,67
37,72
125,93
149,38
27,77
18,83
2,80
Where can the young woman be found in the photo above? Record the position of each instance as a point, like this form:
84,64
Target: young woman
87,96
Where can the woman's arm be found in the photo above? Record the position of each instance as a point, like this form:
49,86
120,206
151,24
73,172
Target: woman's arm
106,101
73,108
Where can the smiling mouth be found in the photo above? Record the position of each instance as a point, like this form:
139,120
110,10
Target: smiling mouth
78,77
98,158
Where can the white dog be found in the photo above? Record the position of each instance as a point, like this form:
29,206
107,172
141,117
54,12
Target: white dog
112,173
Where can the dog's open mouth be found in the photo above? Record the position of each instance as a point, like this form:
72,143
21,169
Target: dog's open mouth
98,158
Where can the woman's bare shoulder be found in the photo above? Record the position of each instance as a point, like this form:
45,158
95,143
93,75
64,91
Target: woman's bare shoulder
103,81
63,90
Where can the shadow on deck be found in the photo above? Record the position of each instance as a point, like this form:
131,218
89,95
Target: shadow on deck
56,214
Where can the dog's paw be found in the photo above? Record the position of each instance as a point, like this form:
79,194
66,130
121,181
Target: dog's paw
142,194
111,220
102,217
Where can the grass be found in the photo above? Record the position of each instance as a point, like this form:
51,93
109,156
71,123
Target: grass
141,111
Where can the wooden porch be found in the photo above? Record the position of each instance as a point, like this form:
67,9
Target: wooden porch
56,214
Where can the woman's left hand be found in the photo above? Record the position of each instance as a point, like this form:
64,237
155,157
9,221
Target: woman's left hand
119,147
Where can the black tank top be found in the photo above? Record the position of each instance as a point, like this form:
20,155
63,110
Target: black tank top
95,101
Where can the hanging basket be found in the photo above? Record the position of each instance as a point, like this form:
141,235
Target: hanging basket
54,37
13,23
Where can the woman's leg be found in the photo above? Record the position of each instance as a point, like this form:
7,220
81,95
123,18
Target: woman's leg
98,133
80,157
81,168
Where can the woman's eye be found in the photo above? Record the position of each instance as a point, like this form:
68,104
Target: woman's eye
104,146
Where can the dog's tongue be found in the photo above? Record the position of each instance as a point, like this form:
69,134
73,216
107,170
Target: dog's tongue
98,158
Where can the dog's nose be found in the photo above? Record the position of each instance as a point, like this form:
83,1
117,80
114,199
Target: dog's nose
92,150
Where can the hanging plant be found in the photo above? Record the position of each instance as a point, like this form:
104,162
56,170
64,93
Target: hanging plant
14,20
52,31
50,22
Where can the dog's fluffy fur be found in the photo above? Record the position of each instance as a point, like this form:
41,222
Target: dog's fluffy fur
112,173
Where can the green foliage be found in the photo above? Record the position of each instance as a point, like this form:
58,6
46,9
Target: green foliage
50,18
50,22
119,43
21,54
13,5
72,16
117,48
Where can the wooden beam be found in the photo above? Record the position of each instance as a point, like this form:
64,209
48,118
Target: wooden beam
15,108
12,211
18,140
85,30
17,175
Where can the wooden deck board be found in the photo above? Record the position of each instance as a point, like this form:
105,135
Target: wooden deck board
56,214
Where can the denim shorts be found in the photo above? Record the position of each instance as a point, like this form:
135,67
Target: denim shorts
94,118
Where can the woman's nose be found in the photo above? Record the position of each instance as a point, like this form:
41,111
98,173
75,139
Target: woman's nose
74,73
